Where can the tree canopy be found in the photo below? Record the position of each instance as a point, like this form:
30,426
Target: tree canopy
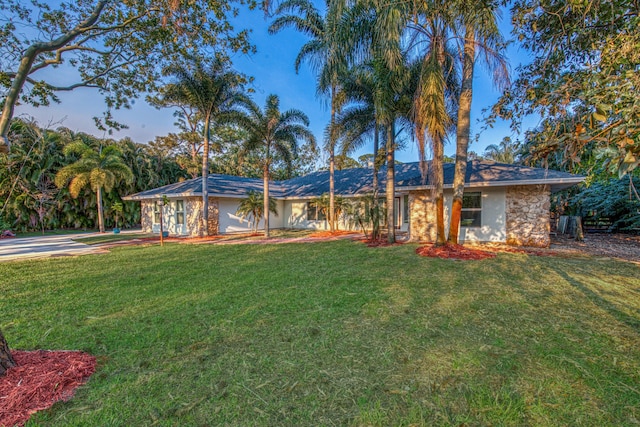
117,47
583,80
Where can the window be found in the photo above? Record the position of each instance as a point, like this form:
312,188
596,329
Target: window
180,212
471,210
156,213
405,209
315,214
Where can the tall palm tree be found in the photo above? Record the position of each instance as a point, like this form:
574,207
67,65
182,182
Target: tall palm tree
358,121
101,169
481,33
372,32
436,95
274,133
323,53
215,92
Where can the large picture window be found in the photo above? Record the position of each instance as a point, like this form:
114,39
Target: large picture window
180,212
314,213
471,210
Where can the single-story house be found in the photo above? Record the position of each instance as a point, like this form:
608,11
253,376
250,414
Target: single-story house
503,202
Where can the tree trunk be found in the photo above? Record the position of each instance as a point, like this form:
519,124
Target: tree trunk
438,188
375,231
332,161
6,360
204,230
463,131
579,231
100,210
266,198
390,188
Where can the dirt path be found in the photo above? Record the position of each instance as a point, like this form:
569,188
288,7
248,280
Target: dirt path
621,246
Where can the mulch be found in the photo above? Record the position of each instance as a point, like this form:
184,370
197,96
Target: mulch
40,379
451,251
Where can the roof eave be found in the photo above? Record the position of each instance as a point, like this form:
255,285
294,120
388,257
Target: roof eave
563,182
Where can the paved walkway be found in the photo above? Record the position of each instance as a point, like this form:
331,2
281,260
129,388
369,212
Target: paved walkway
44,247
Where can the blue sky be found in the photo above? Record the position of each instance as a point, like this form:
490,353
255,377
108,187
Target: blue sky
273,69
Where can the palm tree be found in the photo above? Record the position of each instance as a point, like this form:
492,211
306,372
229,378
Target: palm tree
358,122
480,33
323,205
326,59
274,133
436,96
505,152
372,33
253,205
215,92
101,169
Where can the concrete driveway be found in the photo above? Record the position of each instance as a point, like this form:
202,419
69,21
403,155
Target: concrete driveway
44,247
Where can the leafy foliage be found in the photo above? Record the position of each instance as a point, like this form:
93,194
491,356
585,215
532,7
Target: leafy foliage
613,200
583,80
37,156
253,206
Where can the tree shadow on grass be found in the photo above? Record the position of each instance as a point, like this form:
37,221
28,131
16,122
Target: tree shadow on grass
603,303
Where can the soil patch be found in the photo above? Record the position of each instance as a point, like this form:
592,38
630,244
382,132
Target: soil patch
621,246
41,379
336,233
451,251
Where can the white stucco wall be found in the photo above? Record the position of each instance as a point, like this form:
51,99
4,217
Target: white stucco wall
493,218
493,227
229,222
295,216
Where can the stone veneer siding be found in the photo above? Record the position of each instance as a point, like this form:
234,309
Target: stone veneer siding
422,216
146,215
527,215
193,213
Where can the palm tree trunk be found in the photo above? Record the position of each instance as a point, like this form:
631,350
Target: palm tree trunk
204,229
438,172
462,137
332,162
100,210
375,232
6,360
266,198
390,188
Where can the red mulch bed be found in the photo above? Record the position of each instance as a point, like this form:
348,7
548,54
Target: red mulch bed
41,379
451,251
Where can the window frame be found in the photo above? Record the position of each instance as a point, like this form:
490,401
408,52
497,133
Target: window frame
180,212
405,209
474,210
313,213
156,212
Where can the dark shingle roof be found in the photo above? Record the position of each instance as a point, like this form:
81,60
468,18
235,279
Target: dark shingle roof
357,181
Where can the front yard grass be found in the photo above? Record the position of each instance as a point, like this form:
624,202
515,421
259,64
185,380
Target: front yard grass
334,333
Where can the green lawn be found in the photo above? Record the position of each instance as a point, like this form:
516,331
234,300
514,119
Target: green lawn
110,238
331,334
